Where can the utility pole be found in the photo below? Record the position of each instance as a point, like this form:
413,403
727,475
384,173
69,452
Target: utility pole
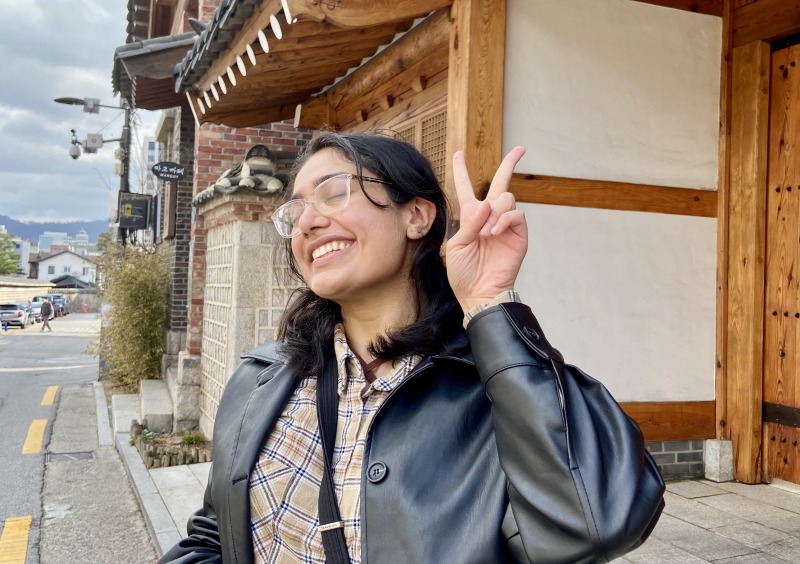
125,150
92,106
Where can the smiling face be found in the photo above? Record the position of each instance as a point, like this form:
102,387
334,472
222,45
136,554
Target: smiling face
360,253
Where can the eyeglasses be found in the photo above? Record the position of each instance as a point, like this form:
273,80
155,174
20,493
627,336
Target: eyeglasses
329,198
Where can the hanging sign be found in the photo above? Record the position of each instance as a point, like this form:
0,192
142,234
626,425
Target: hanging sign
169,171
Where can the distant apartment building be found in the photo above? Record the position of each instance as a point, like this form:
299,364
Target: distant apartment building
50,239
23,250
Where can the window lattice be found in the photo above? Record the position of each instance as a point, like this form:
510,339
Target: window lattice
433,139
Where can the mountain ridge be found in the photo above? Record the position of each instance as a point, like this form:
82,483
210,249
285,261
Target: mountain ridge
30,231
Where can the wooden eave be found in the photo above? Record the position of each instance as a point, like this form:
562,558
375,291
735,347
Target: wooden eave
319,47
143,72
405,68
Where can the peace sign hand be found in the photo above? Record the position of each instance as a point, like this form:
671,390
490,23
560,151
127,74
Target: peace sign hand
485,254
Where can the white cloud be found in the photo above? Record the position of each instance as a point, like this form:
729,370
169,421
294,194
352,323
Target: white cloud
51,49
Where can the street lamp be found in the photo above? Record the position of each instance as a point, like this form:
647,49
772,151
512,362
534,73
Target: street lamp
92,106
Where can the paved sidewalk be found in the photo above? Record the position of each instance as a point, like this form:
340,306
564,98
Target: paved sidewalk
727,523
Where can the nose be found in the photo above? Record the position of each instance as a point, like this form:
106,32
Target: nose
310,219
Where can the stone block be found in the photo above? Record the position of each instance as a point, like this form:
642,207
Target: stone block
187,403
718,460
156,405
124,408
188,369
174,341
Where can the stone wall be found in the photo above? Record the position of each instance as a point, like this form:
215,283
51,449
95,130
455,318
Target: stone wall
244,289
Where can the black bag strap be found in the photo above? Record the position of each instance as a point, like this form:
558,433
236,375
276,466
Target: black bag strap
330,521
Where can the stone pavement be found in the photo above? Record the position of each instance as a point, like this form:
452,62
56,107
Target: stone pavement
704,521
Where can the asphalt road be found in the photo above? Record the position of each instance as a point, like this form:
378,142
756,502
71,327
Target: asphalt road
63,497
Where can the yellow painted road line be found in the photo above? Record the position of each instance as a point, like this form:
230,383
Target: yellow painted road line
33,443
14,540
49,395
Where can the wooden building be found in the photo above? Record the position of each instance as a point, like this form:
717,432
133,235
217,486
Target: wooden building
660,183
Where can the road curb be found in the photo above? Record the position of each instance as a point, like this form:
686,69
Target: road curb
104,437
159,522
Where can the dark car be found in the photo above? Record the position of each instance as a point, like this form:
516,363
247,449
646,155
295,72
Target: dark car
58,301
18,314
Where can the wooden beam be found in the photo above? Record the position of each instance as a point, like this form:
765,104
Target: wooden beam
423,49
475,89
749,130
365,13
709,7
405,108
673,421
613,195
179,21
248,118
723,191
419,43
765,20
398,85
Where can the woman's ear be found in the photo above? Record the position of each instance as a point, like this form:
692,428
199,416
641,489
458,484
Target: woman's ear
420,214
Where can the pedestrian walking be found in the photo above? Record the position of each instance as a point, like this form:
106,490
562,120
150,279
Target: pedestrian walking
412,411
47,312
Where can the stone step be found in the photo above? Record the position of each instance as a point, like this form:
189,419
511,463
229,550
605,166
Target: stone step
156,405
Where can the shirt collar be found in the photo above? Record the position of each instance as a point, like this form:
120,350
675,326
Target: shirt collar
349,369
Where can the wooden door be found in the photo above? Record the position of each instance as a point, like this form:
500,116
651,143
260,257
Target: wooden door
781,456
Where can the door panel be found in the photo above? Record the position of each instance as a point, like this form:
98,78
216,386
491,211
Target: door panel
782,310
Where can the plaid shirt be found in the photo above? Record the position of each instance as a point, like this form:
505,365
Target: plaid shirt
284,485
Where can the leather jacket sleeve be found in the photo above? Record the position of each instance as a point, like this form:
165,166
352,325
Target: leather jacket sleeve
202,545
581,486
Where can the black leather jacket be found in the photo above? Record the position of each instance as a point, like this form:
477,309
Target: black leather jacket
498,453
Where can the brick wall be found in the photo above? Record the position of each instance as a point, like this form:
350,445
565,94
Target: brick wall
219,148
678,460
180,150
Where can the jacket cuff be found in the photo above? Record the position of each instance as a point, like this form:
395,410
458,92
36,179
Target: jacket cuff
505,335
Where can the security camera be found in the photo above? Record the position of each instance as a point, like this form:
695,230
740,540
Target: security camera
74,151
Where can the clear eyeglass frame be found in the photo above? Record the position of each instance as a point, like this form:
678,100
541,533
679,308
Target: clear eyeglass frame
329,198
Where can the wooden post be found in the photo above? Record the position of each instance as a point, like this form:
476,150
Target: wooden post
475,89
746,253
723,192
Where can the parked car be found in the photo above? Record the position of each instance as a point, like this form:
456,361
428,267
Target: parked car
36,311
16,314
58,301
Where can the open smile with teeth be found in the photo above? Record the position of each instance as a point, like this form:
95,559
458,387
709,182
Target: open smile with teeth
329,248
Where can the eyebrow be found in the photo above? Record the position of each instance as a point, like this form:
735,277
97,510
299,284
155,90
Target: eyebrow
320,180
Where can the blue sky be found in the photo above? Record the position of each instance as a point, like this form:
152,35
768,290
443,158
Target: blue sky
51,49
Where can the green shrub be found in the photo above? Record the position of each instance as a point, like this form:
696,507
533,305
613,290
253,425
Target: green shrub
136,287
193,438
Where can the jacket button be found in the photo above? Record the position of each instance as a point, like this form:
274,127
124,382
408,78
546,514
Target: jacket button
532,333
377,472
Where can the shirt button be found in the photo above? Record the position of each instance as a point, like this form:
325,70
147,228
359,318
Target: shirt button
377,472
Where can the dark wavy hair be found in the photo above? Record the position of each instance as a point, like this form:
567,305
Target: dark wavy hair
307,325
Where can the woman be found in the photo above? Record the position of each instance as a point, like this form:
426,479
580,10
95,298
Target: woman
456,434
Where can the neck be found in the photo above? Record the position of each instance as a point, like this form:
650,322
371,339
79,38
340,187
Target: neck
363,323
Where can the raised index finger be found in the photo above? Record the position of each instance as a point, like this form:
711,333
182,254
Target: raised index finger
502,177
463,185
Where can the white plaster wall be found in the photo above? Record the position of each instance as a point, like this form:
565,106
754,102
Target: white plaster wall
629,297
613,90
625,91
